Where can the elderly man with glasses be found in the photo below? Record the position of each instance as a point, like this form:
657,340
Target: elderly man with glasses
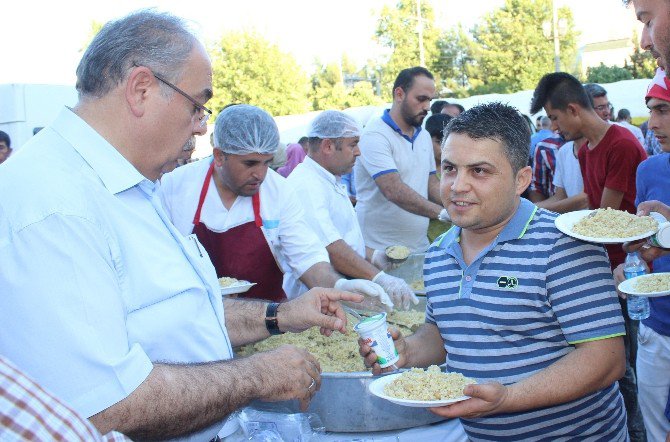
104,302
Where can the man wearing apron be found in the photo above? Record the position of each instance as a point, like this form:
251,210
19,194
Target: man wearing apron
247,217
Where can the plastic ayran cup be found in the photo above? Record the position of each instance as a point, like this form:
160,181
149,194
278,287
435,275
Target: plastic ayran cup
375,334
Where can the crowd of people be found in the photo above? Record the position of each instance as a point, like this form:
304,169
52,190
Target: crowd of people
113,320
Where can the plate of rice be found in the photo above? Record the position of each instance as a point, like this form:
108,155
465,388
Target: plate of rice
421,388
606,226
651,285
231,286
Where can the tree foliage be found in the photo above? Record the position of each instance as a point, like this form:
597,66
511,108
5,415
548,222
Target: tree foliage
456,63
607,74
642,64
513,51
397,30
507,52
339,86
249,69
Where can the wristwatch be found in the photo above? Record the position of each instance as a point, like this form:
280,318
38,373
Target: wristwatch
271,319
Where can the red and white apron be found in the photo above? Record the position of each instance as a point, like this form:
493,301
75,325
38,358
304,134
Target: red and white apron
242,252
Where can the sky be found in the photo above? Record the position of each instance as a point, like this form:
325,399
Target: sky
39,46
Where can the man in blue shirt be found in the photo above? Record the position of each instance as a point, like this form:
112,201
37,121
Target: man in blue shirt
528,312
653,194
103,302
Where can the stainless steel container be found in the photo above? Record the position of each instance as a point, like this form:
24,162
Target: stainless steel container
345,405
411,271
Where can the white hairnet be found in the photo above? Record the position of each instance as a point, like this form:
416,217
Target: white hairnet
242,129
333,124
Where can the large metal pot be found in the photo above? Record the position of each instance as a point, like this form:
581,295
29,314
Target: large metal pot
345,405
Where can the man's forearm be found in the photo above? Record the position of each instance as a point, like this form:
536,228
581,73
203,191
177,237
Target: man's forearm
176,400
591,367
425,347
320,274
346,261
434,190
611,198
406,198
536,197
575,202
245,320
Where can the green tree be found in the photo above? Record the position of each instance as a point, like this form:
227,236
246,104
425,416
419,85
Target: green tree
513,52
249,69
642,64
607,74
456,63
397,29
332,86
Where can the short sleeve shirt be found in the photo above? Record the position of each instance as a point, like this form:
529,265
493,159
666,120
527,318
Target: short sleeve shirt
384,150
568,174
520,306
612,164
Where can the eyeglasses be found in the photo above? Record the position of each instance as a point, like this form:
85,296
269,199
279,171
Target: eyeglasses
603,107
206,113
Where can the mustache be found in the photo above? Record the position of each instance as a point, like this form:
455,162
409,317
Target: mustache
190,145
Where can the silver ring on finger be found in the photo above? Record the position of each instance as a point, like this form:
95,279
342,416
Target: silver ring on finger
311,385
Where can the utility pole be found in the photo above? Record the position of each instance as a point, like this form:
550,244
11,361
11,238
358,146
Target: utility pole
419,24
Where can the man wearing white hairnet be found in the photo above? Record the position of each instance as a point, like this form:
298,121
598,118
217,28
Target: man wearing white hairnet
247,217
333,148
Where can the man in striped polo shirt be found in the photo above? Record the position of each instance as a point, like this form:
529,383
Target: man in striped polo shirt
528,312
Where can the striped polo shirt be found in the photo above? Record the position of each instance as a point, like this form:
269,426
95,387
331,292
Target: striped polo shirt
520,306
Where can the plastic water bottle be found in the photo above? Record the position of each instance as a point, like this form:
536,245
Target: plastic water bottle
638,306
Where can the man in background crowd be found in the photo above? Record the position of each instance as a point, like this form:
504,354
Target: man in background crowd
333,148
435,125
5,146
396,187
653,194
624,119
453,109
608,163
542,134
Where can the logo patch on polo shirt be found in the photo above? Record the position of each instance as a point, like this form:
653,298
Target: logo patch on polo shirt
508,282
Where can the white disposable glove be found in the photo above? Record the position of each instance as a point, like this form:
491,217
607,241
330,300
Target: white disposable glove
375,296
444,216
399,291
381,261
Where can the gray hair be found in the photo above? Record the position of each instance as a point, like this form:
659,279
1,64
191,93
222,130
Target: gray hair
158,40
545,122
499,122
243,129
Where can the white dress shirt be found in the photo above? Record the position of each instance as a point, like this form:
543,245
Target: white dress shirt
96,282
328,209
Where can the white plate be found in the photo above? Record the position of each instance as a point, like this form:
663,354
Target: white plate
238,287
376,387
627,286
566,221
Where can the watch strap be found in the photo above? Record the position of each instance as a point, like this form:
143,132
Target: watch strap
271,319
